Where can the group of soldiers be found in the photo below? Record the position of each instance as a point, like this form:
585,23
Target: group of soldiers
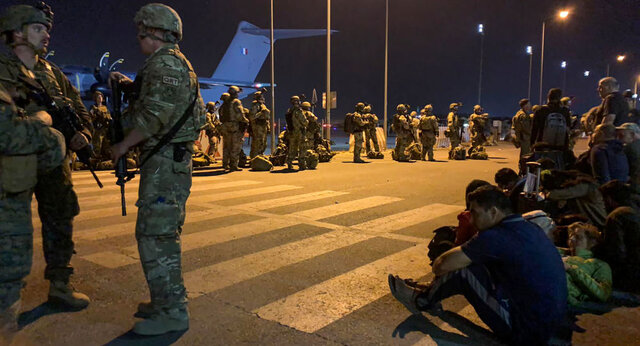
363,125
43,121
416,135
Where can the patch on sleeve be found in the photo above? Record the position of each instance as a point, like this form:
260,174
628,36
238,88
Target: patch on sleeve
170,80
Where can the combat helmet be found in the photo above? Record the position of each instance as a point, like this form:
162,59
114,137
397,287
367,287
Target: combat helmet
359,106
224,96
15,17
477,108
161,16
210,105
233,90
427,108
367,109
401,108
454,105
306,105
294,98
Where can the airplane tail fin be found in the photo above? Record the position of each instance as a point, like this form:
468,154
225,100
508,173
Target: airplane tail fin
249,49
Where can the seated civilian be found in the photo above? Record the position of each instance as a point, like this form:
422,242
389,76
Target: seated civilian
509,272
608,160
620,246
508,180
465,229
542,220
574,193
588,278
629,134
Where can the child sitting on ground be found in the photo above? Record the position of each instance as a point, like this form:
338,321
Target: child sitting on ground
588,278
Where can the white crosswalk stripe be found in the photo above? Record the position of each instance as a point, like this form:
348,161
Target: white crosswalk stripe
408,218
320,305
246,267
221,196
345,207
110,184
289,200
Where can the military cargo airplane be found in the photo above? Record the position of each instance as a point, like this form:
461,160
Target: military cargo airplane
239,66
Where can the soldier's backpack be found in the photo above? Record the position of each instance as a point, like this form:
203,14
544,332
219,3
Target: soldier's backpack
349,125
479,153
414,151
324,155
261,163
555,130
443,240
312,159
459,153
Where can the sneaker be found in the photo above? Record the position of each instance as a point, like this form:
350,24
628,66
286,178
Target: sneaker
62,293
159,324
404,293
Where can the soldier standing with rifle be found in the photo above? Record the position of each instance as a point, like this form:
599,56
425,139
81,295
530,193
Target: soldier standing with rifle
402,128
211,129
101,120
259,118
360,124
25,29
370,134
234,124
166,118
296,129
428,132
454,128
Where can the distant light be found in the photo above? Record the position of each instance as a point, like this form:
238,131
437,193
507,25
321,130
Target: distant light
586,73
563,64
529,50
635,96
480,28
621,58
257,85
563,14
335,128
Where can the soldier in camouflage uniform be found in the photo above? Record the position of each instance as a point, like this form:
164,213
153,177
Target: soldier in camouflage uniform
234,123
370,134
211,130
312,134
297,133
402,128
454,128
521,124
101,119
428,132
27,145
25,29
168,92
359,126
477,123
260,119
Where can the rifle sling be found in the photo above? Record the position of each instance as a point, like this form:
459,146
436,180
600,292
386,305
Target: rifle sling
172,132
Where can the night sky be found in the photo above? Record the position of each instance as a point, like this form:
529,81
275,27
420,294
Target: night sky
433,55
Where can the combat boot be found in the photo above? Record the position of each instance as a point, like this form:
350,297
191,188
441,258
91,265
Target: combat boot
61,293
145,310
235,169
162,323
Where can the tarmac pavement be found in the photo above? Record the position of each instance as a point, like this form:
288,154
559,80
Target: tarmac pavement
284,258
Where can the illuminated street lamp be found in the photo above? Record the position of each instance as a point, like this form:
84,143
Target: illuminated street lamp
620,58
563,14
481,32
530,54
563,65
587,73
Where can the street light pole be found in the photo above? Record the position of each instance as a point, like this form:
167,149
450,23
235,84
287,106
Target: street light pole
386,70
544,25
273,94
530,53
328,101
481,32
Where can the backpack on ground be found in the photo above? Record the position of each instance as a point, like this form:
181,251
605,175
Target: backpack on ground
459,153
443,240
555,130
349,125
312,159
478,153
261,163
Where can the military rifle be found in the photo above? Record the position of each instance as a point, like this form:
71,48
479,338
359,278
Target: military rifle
65,119
117,135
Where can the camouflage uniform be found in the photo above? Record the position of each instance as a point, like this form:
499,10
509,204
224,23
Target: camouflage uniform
211,130
233,126
428,133
360,124
20,140
477,123
169,86
297,137
101,119
454,127
57,202
402,129
370,134
521,124
259,117
313,132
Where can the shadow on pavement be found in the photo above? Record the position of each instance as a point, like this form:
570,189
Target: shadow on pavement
284,170
44,309
131,338
419,323
209,173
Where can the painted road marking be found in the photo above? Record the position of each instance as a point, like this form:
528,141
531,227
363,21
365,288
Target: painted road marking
320,305
289,200
345,207
408,218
